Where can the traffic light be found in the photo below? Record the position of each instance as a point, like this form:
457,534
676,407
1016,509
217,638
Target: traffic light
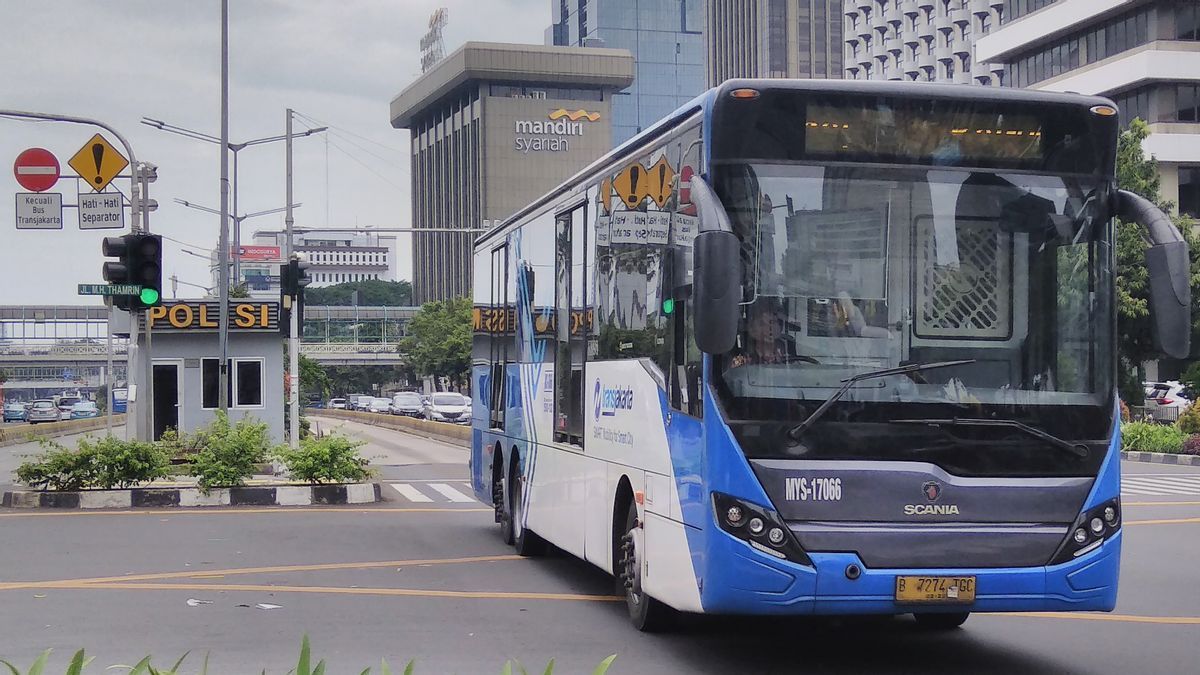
145,269
139,262
117,271
293,278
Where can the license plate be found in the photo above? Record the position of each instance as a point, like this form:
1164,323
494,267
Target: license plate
935,589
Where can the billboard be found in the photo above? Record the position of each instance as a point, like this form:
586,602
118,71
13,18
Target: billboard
256,252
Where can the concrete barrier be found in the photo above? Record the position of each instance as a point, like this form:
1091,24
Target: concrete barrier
14,435
443,431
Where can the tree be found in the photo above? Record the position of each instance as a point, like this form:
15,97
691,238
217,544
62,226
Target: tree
372,292
1135,343
439,340
313,378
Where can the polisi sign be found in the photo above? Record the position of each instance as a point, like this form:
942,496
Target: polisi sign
610,400
199,316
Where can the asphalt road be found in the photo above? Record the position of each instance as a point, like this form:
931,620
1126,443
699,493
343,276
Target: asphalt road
426,576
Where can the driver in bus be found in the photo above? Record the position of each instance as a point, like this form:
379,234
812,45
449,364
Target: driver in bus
765,339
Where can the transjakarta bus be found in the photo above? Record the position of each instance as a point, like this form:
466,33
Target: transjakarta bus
823,347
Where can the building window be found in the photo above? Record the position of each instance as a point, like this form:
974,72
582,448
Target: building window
248,374
210,378
1187,21
1189,191
1187,102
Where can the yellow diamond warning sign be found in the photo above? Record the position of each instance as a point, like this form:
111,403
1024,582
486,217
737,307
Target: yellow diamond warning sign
98,162
632,185
662,182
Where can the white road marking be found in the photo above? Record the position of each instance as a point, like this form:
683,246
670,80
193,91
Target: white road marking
411,493
1160,484
450,493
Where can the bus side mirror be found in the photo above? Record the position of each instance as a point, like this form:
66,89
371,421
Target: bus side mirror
717,278
1168,263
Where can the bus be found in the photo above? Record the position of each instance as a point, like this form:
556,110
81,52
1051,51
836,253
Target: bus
120,400
823,347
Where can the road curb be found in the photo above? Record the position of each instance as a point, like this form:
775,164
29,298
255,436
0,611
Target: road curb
444,432
187,497
1161,458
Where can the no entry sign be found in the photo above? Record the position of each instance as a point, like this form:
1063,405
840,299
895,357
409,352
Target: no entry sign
36,169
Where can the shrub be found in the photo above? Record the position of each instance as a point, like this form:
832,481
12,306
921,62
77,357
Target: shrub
227,454
1192,445
1150,437
331,459
106,463
1189,420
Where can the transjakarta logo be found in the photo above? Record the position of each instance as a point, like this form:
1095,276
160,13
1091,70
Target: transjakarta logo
551,135
931,509
609,401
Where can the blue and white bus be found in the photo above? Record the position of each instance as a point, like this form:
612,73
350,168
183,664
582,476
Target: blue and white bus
822,347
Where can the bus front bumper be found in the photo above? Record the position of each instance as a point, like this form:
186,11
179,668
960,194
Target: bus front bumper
749,582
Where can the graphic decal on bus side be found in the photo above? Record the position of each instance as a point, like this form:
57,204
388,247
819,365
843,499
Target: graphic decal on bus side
530,373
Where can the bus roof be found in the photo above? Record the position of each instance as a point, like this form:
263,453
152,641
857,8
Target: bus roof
704,102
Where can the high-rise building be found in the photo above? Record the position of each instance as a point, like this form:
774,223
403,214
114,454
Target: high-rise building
774,38
667,42
493,127
1143,55
922,40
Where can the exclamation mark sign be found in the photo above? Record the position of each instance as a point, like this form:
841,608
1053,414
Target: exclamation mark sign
98,155
634,175
662,183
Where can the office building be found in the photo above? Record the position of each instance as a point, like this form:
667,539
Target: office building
1143,55
493,127
666,39
774,38
922,40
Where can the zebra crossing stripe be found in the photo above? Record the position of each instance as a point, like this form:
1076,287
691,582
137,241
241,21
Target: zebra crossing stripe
450,493
1185,486
410,492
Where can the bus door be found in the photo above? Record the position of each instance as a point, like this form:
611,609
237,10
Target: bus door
502,330
570,327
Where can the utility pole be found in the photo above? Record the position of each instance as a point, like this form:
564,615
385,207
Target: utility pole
223,242
293,336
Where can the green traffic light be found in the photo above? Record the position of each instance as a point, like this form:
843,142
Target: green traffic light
668,306
149,296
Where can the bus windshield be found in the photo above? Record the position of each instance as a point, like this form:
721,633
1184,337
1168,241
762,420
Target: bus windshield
854,268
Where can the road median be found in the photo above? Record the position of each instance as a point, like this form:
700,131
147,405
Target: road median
16,435
440,431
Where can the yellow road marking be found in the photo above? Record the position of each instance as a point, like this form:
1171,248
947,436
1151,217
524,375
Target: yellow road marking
219,511
1160,503
337,590
1163,521
1125,618
277,569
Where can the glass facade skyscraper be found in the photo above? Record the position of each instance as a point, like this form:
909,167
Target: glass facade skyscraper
666,38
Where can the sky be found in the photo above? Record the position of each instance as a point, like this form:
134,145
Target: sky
338,63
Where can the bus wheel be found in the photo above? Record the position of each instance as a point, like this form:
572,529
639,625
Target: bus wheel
941,621
500,492
646,613
525,541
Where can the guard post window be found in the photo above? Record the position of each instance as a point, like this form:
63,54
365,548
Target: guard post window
248,374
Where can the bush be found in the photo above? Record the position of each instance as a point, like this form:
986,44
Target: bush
107,463
331,459
1191,446
1151,437
1189,420
227,454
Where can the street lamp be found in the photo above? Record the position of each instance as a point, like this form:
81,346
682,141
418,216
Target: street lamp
235,148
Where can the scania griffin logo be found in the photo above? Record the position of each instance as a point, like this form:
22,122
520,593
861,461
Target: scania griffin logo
931,490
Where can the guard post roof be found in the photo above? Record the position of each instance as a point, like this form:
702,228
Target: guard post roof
582,67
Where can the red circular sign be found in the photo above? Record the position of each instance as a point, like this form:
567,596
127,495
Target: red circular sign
36,169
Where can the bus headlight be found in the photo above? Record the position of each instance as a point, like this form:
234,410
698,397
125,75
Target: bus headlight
1089,531
761,528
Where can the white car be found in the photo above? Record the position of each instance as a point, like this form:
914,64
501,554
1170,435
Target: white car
448,407
380,405
1165,400
337,403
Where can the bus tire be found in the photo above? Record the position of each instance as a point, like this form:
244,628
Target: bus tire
525,541
645,613
940,621
506,520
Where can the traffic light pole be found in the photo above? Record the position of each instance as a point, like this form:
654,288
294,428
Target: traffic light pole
146,418
223,242
293,337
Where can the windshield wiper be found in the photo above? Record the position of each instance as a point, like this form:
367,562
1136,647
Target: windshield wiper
1077,449
795,432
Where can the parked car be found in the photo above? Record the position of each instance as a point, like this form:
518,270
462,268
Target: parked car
337,403
380,405
360,402
448,407
43,410
14,412
84,410
408,403
1165,400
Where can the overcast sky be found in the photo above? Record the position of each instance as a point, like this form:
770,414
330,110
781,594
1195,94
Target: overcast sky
336,61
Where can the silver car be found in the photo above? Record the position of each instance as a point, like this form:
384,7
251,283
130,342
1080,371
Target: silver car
43,410
448,407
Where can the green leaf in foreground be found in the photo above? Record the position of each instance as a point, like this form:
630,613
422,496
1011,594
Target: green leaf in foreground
604,665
